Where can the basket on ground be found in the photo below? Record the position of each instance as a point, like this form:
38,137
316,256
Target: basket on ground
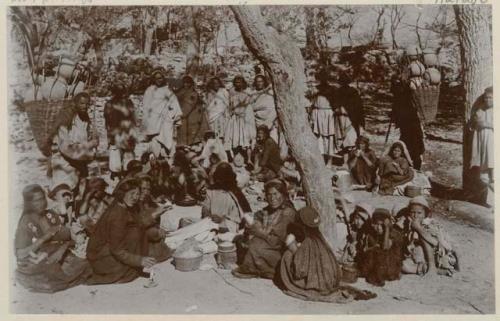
43,118
187,264
425,100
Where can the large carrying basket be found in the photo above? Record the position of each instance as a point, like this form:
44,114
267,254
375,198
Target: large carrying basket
425,100
43,118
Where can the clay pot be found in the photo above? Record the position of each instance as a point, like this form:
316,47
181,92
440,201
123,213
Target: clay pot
417,69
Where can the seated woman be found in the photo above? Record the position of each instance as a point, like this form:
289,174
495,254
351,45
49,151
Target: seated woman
267,159
41,243
362,163
150,214
268,233
308,268
225,202
428,246
395,170
383,255
118,249
238,165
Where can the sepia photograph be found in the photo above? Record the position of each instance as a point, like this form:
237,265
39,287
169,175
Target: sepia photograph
250,159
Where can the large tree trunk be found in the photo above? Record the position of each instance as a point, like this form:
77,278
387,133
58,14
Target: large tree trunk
285,66
473,22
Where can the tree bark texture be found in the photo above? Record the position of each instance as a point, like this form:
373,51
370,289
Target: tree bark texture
473,22
285,65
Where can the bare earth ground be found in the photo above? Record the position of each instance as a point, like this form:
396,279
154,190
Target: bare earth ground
205,292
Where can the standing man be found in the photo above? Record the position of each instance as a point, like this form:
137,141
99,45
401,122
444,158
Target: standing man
162,116
76,141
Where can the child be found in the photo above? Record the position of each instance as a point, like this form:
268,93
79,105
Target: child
363,163
383,256
428,246
357,231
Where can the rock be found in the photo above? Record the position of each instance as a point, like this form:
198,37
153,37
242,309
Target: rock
475,214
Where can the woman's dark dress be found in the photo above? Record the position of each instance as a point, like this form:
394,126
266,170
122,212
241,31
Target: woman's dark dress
47,277
117,246
312,272
390,176
264,255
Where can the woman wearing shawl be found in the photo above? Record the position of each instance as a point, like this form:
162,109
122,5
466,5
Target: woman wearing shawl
268,232
263,106
240,128
217,104
76,141
395,170
194,122
308,268
41,245
118,249
162,115
225,203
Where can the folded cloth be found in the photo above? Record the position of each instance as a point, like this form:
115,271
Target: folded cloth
174,239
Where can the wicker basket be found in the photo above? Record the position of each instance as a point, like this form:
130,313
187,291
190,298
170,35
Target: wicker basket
188,264
43,117
425,99
349,273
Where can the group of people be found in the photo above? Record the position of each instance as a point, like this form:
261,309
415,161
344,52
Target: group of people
89,234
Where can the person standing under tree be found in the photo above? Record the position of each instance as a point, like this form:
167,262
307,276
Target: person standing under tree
217,102
483,149
349,98
406,118
323,122
194,123
240,128
76,141
162,115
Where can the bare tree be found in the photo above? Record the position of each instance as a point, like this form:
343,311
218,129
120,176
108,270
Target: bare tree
380,26
396,14
474,29
285,66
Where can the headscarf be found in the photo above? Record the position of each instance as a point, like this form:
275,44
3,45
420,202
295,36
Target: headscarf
405,153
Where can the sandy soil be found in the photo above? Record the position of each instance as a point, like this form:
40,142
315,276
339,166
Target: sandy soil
469,291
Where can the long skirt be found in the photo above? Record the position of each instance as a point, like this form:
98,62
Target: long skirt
50,278
261,259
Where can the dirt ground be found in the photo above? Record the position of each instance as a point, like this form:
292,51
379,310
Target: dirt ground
209,292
